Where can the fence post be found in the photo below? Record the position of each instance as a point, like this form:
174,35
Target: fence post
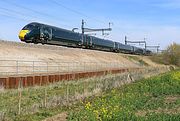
45,93
67,93
45,97
20,96
95,84
84,66
84,90
58,68
47,67
68,67
33,67
17,66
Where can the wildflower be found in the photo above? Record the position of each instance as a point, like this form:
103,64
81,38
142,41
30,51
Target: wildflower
96,113
88,106
104,110
176,75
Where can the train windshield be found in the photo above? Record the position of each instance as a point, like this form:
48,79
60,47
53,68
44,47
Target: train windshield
29,27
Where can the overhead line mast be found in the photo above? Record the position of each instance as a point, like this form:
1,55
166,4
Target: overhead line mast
139,42
93,30
156,47
144,42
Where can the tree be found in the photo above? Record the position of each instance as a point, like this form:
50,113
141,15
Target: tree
170,56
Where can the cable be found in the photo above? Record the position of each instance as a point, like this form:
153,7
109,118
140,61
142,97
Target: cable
75,11
16,12
32,10
44,14
36,12
14,17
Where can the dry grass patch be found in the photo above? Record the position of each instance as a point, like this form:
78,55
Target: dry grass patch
171,99
59,117
167,100
143,113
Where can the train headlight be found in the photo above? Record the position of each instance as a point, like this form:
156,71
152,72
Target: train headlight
22,34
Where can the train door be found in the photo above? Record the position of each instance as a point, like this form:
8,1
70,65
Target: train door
89,41
116,47
84,41
45,34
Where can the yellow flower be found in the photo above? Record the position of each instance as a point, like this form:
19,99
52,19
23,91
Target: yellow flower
96,113
104,110
88,106
176,75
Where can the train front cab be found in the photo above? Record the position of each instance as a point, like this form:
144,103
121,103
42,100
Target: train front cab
29,33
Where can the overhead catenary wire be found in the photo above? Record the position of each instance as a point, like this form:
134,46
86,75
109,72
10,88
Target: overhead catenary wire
51,16
75,11
16,12
13,17
42,14
29,9
24,16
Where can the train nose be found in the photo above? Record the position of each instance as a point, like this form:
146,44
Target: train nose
22,34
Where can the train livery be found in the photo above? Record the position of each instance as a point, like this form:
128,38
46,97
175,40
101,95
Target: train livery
46,34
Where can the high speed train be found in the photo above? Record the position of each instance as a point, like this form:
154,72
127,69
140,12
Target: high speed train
46,34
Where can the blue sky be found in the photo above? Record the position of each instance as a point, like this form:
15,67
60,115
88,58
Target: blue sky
156,20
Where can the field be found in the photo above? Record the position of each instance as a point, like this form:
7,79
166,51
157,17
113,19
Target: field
156,98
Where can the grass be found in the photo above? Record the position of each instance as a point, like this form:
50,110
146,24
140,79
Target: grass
156,98
61,96
57,97
137,59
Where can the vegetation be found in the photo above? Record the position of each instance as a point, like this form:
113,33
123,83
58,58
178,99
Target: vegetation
38,103
170,56
137,59
156,98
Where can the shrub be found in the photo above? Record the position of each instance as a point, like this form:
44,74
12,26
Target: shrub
170,56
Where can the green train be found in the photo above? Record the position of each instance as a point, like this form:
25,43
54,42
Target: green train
46,34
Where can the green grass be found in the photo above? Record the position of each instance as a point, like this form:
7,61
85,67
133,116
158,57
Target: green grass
33,98
156,98
138,60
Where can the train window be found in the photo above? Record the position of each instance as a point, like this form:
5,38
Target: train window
29,27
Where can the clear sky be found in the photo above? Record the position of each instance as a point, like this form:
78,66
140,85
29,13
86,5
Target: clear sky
156,20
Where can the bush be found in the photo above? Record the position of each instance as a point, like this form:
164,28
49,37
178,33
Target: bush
171,56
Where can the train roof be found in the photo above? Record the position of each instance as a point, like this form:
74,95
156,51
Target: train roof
40,24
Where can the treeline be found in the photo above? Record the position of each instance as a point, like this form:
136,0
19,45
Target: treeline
170,56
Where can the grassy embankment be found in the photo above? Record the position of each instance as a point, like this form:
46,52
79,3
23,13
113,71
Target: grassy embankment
152,98
156,98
